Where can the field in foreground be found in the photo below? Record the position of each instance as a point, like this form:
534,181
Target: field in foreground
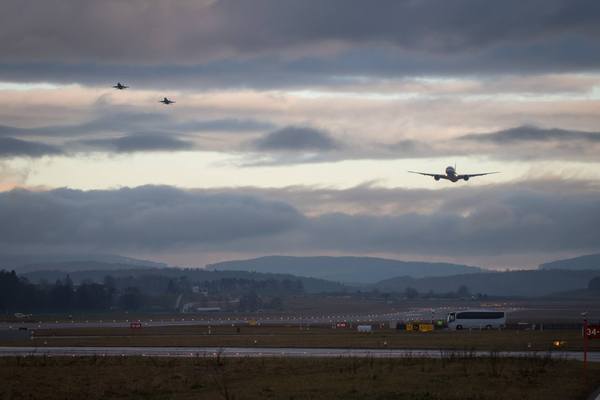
245,378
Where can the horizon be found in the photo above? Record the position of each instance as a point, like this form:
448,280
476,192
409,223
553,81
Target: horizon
86,257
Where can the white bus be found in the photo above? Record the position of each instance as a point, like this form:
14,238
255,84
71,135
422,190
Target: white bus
479,319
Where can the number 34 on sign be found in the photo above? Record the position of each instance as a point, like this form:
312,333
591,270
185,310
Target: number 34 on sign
592,331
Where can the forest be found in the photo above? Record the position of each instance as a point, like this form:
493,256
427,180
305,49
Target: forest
141,292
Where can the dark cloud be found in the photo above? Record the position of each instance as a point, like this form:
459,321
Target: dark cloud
296,139
223,125
149,217
546,216
126,122
534,134
172,30
135,131
516,222
11,147
109,122
532,143
516,218
281,43
519,143
123,131
140,142
569,54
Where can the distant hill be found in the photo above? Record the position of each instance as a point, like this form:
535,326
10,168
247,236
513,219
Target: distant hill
532,283
77,266
71,262
344,269
591,261
311,285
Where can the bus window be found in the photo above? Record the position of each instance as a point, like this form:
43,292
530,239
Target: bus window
480,315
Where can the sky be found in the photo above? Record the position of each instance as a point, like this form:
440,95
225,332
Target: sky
295,126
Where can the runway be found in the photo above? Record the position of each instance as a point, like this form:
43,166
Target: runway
278,352
416,314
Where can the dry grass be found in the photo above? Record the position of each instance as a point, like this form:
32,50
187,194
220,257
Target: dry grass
244,378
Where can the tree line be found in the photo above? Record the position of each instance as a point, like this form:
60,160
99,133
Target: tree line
17,294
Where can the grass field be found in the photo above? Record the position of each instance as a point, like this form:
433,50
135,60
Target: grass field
246,378
293,336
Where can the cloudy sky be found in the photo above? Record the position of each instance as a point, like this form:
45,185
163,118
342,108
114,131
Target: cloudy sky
294,126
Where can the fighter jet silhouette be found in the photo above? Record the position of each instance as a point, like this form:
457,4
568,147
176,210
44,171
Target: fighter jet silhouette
120,86
166,101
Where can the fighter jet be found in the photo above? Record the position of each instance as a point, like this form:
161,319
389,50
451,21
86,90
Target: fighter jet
451,175
166,101
120,86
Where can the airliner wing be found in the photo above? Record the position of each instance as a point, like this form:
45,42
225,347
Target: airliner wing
473,175
422,173
437,176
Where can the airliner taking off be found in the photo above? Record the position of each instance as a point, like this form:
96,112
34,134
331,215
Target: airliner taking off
451,175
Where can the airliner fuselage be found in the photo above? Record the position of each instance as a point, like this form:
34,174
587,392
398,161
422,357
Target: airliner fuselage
451,174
